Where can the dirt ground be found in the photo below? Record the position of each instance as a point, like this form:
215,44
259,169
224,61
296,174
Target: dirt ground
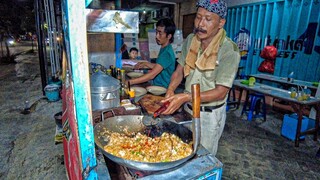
28,149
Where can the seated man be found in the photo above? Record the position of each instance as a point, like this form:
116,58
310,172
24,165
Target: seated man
165,63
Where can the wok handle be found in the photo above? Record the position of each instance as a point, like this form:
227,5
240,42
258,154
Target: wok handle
195,91
102,113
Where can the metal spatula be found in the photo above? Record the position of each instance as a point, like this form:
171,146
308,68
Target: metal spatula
147,119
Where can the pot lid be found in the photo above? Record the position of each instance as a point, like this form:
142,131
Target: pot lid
101,83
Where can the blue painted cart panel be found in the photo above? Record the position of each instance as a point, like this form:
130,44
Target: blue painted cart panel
74,26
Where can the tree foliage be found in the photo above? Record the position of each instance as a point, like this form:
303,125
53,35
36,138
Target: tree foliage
17,17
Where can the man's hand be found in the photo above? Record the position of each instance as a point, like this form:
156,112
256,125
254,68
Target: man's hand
139,65
169,93
175,102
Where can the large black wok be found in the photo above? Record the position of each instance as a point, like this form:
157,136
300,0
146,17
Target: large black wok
133,124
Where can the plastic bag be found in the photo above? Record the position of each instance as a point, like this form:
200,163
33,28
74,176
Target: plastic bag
267,66
269,53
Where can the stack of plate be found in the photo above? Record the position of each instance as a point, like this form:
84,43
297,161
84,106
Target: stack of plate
156,90
134,74
139,91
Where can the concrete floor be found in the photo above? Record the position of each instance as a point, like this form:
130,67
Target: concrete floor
256,150
27,147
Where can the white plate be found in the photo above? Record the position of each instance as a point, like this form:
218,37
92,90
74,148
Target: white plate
134,74
139,91
156,90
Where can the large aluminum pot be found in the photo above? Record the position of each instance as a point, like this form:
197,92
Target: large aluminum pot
104,91
133,123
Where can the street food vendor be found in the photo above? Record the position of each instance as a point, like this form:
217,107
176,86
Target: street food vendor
211,59
165,63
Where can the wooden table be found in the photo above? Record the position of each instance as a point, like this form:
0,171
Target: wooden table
298,106
284,81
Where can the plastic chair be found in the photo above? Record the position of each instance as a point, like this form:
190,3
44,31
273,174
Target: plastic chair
256,108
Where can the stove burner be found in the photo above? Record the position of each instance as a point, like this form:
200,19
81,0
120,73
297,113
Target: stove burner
139,174
202,166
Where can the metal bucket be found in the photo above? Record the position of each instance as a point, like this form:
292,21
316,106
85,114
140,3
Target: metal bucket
58,119
104,91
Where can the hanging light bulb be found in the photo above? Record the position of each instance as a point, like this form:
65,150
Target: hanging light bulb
144,11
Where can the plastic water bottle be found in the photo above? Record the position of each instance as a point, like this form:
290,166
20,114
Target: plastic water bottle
306,93
290,77
293,92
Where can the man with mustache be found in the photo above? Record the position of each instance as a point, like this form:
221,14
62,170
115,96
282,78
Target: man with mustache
165,63
211,59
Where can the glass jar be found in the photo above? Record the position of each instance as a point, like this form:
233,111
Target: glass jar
252,81
306,94
293,92
123,76
109,72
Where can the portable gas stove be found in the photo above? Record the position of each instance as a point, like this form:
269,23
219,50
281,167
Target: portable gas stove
202,166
